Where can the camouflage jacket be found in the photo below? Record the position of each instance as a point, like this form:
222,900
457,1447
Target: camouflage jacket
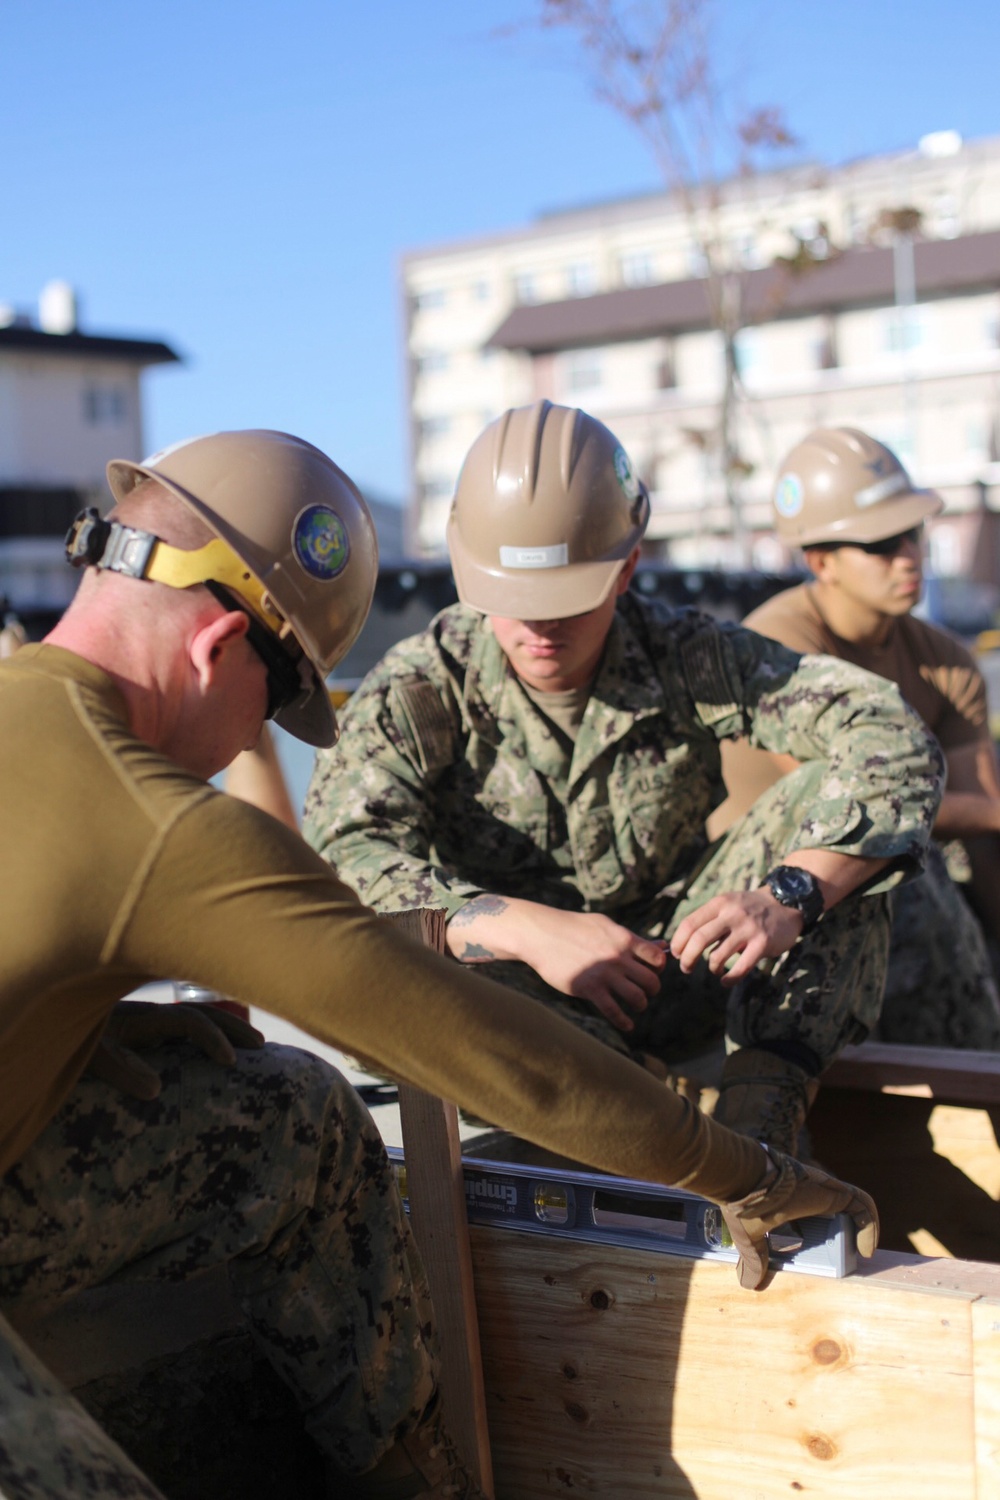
448,782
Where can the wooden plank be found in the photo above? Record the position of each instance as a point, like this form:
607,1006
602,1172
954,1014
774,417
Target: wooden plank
986,1364
985,1331
436,1190
922,1072
620,1372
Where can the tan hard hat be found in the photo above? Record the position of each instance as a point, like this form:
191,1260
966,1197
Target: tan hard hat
546,511
301,527
840,485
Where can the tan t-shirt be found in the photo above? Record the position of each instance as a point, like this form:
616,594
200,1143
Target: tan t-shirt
935,673
117,867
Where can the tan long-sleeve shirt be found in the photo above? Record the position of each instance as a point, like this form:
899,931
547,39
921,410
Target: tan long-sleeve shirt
117,867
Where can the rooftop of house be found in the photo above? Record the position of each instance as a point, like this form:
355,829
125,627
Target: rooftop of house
852,278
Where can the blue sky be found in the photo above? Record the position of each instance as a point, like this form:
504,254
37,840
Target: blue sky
241,178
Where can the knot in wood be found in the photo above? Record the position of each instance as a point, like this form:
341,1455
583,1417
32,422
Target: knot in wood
822,1447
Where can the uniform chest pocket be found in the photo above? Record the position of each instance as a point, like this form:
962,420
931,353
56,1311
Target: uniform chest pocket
488,838
668,801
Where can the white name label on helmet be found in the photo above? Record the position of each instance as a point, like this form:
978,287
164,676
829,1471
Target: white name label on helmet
535,557
881,491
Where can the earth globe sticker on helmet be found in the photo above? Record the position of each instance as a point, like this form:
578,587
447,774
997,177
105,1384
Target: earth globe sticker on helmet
626,474
788,497
320,542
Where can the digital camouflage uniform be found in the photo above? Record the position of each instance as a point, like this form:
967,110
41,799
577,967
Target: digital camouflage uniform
941,989
449,783
273,1167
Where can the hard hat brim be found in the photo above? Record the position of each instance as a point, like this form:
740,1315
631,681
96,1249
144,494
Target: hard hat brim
312,719
537,593
888,518
534,593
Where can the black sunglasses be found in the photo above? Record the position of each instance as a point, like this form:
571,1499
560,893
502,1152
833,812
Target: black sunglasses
284,684
889,545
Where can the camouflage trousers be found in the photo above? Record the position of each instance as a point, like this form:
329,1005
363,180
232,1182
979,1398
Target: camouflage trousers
273,1167
823,994
941,990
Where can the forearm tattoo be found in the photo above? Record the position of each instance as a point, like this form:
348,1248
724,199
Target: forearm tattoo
479,906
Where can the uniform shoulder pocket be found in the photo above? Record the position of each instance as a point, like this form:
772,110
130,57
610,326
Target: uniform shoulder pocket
425,723
711,676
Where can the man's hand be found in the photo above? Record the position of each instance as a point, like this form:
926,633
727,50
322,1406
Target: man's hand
134,1024
580,953
793,1190
752,924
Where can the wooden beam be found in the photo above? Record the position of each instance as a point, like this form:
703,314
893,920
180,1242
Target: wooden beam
436,1190
921,1072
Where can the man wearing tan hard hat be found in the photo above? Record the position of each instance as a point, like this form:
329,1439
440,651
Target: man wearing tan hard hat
848,502
540,762
156,1141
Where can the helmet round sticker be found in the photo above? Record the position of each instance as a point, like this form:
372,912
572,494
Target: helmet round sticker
788,496
626,474
320,542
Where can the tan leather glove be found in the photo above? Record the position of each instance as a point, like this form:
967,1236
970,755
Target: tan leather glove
140,1023
793,1190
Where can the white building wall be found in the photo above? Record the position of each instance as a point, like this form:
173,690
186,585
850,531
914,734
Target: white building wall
61,420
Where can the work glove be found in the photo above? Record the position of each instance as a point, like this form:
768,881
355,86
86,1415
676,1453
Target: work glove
135,1024
793,1190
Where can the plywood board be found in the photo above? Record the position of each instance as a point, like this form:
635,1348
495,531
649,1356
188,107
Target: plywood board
986,1364
622,1373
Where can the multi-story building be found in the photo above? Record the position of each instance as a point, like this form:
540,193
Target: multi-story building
870,295
69,402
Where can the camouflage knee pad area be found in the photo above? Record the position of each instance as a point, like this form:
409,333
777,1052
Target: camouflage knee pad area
274,1167
941,990
49,1447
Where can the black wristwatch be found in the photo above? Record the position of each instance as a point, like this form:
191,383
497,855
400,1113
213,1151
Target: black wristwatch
798,889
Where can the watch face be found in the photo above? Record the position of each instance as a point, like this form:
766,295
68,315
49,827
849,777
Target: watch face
789,883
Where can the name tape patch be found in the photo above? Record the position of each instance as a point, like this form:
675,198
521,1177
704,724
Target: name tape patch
535,557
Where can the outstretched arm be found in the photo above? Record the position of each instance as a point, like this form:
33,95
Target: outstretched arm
582,954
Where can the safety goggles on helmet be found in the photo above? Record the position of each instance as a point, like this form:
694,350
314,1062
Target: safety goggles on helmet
108,545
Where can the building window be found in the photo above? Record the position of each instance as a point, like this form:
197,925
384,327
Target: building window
582,370
976,439
433,427
748,352
746,251
697,261
437,488
525,289
904,330
637,268
433,297
432,363
581,280
946,220
104,406
480,291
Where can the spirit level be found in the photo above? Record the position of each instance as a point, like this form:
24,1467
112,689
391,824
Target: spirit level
593,1207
